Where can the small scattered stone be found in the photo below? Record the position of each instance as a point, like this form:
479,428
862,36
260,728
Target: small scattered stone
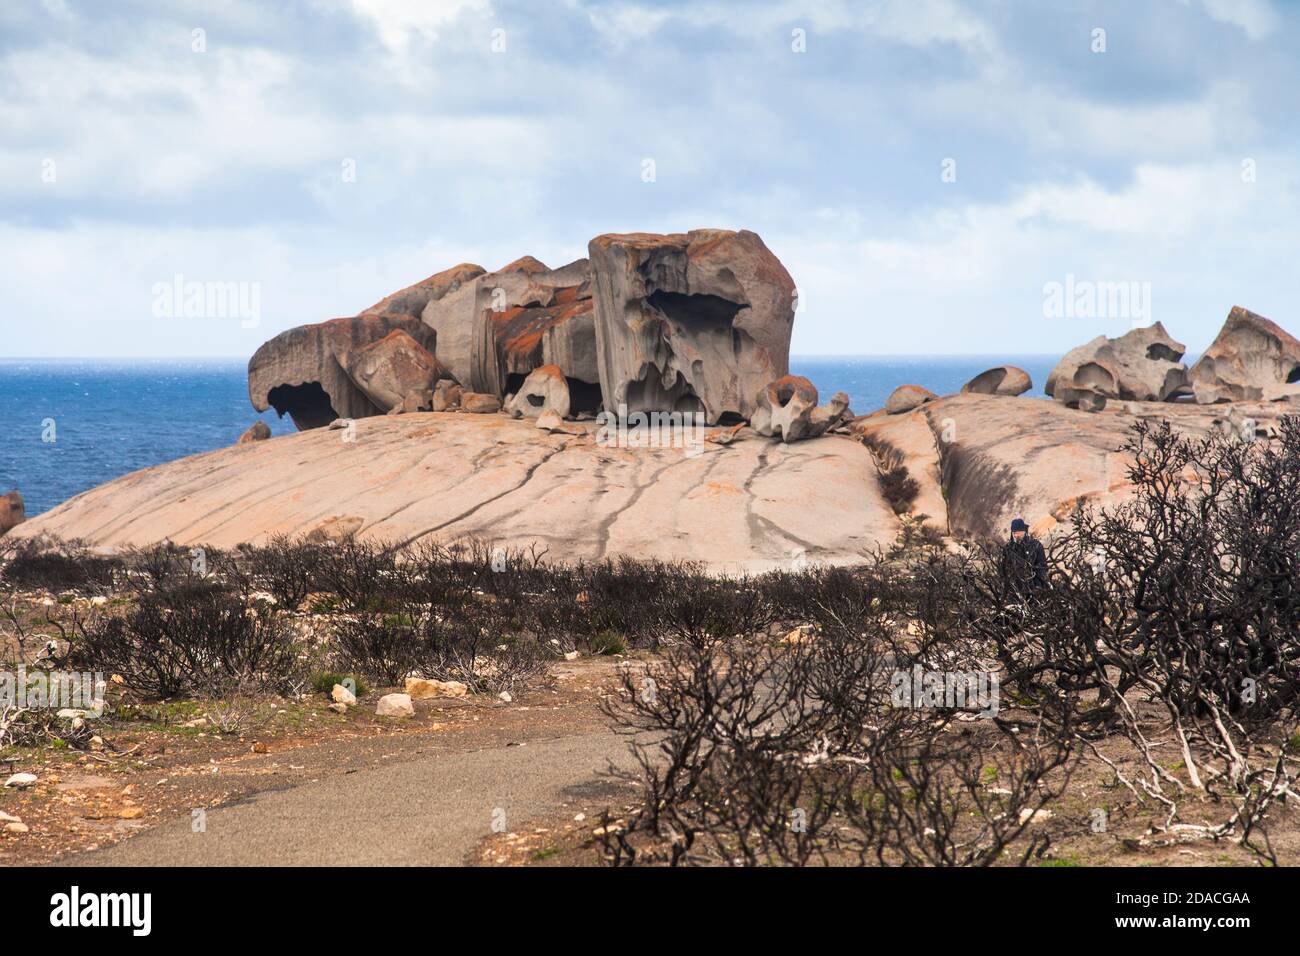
259,748
130,813
505,696
18,827
1034,816
339,708
572,656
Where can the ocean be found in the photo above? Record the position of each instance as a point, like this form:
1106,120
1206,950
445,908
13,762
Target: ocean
69,425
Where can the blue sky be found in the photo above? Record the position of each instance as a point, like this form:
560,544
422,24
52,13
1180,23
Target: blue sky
482,130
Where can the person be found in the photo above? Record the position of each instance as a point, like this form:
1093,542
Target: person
1024,563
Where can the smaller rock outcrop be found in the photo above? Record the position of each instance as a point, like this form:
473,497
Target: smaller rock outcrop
258,431
999,380
479,403
907,397
545,389
1142,365
446,395
1251,358
12,511
392,368
834,413
785,409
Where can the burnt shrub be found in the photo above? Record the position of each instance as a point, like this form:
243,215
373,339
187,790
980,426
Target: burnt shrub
55,565
756,752
288,569
198,638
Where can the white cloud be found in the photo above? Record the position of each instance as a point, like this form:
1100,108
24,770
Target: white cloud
1256,17
399,22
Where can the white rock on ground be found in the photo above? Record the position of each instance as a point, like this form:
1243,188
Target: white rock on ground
21,780
395,705
341,695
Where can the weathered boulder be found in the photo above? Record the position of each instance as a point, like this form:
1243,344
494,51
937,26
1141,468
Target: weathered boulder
1250,358
342,695
545,389
299,372
825,417
999,380
693,322
1143,365
418,688
414,299
258,431
446,395
907,397
12,511
785,409
479,403
416,400
392,368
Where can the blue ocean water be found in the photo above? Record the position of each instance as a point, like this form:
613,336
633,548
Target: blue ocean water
113,417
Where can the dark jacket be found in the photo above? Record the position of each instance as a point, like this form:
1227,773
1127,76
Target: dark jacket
1024,565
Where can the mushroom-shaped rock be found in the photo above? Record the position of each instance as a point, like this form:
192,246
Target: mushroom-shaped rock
12,510
693,322
299,371
1142,365
785,408
907,397
999,380
389,370
258,431
545,389
412,301
1250,358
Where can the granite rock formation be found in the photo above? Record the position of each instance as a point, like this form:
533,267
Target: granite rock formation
785,409
693,322
301,372
389,370
1251,358
1141,365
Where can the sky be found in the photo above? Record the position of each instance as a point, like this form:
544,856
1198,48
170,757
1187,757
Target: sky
938,176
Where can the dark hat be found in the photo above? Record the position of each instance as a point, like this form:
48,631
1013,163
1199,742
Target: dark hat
1019,525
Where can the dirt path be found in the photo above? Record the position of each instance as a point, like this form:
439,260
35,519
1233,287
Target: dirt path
432,810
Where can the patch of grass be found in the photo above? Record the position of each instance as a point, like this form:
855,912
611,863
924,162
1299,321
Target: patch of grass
607,642
1060,861
322,682
546,853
